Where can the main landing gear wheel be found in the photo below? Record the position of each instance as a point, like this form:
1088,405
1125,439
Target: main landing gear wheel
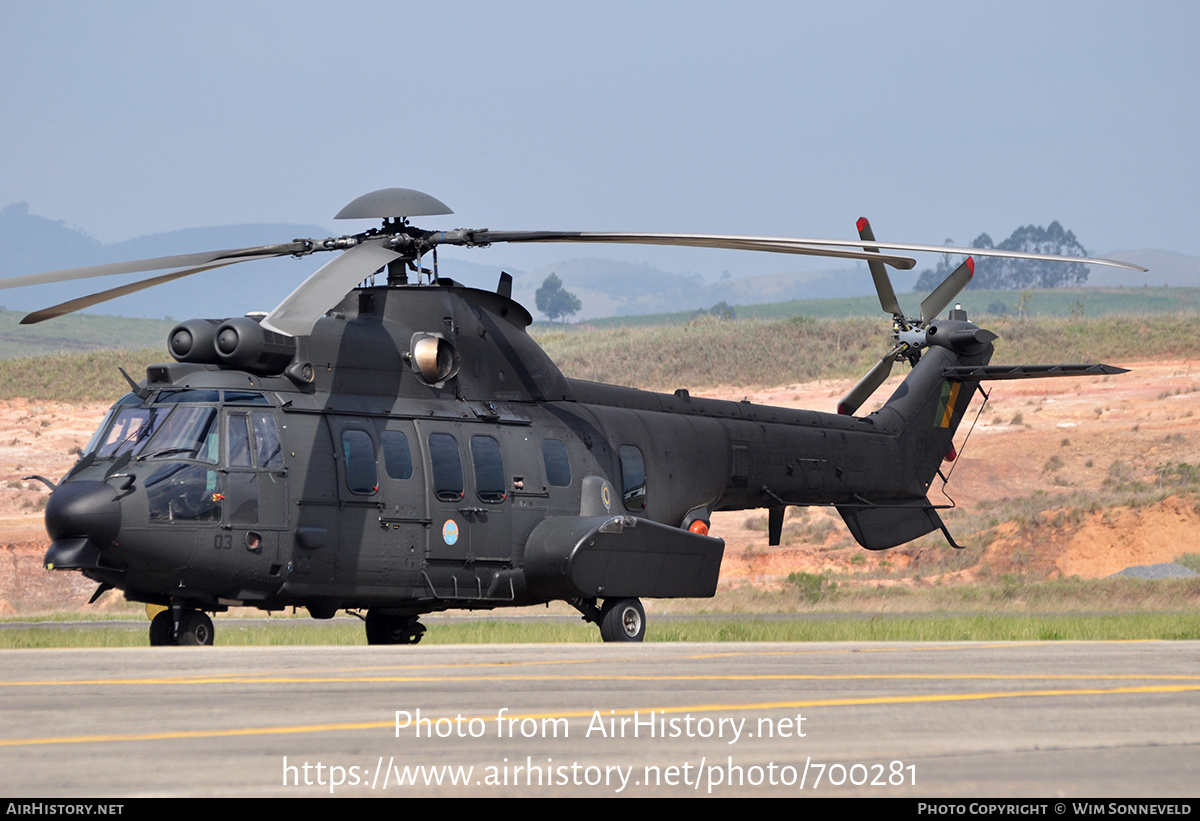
622,620
162,628
195,629
386,629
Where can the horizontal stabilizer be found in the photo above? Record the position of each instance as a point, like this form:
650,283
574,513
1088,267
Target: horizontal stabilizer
979,373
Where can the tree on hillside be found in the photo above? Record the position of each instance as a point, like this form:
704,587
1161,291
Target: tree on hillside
556,301
1000,274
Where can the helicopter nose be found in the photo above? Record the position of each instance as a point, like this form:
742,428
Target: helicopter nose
84,509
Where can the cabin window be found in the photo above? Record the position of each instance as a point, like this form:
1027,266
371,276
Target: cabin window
633,474
359,452
489,469
397,458
447,467
558,466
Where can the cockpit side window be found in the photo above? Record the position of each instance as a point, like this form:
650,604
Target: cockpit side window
237,443
266,435
184,492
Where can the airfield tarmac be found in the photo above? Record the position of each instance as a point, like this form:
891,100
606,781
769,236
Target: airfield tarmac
1037,719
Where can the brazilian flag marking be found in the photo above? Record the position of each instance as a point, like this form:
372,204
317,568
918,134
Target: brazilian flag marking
945,411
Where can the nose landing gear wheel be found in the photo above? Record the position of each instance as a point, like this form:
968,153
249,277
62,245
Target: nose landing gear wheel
622,620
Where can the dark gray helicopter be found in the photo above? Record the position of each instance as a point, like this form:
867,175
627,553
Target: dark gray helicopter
407,448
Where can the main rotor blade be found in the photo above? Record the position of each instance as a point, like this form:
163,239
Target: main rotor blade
79,304
297,314
195,260
773,243
778,245
949,288
883,283
867,385
978,252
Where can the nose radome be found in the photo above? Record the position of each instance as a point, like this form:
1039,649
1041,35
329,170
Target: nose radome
84,508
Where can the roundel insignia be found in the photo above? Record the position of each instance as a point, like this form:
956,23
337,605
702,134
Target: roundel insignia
450,531
606,497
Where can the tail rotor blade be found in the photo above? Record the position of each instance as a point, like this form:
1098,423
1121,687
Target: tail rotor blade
883,283
945,293
867,385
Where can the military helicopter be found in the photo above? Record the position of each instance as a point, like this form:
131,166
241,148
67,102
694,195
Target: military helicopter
401,449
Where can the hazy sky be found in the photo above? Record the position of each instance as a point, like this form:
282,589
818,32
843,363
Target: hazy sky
936,120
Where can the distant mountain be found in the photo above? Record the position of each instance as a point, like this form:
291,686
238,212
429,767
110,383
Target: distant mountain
34,244
30,241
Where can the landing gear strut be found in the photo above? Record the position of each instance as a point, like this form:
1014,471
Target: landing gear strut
387,629
181,626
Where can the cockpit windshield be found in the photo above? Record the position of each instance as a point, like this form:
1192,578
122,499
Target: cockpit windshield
171,428
189,431
129,430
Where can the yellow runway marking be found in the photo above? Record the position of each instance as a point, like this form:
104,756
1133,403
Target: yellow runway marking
250,678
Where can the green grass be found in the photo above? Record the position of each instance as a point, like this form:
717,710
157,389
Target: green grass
745,352
74,333
1063,302
698,354
810,607
813,626
75,377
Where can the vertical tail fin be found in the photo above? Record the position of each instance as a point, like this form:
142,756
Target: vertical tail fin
924,413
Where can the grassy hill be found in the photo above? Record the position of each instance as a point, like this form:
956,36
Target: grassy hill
700,354
79,332
1063,302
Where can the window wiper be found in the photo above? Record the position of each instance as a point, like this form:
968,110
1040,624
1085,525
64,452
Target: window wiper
166,452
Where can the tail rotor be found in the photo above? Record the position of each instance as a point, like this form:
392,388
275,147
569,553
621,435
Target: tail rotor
909,333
